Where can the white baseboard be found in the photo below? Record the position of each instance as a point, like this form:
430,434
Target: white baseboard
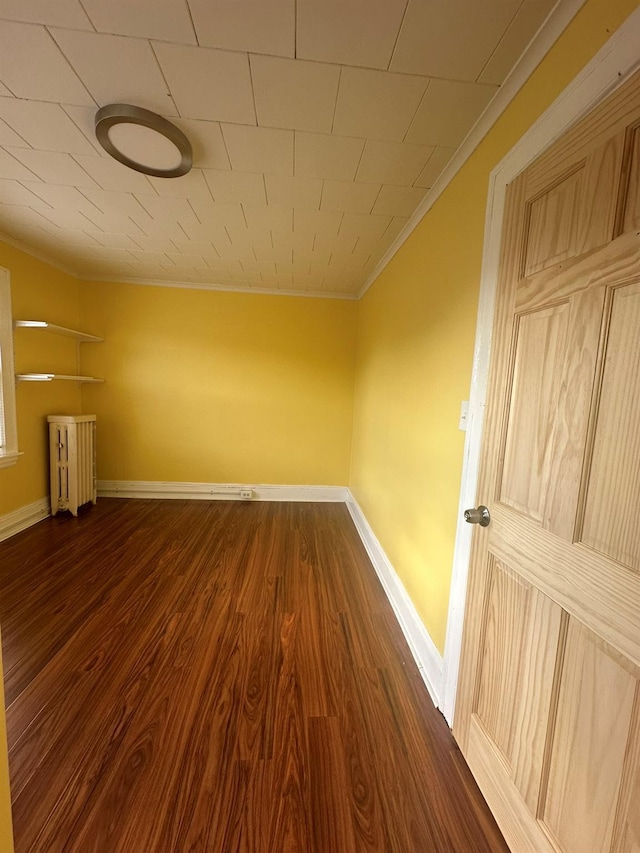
20,519
428,658
218,491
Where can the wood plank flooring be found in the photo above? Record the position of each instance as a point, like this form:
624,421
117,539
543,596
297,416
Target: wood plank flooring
219,676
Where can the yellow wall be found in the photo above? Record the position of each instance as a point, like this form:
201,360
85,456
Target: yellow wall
416,336
6,843
206,386
38,292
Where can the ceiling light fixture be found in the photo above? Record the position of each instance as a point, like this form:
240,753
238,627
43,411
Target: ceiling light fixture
143,141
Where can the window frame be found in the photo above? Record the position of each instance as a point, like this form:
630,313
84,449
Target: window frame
9,452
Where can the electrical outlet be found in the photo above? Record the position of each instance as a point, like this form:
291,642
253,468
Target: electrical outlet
246,494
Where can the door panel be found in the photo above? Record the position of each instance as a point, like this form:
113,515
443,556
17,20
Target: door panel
611,512
630,200
553,223
596,698
501,655
539,355
548,714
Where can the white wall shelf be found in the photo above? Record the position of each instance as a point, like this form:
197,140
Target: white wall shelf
49,377
82,337
79,337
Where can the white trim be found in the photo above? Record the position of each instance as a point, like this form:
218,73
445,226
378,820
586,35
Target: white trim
36,253
551,29
26,516
615,62
9,454
218,491
224,288
426,655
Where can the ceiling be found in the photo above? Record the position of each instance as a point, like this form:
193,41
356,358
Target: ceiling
317,127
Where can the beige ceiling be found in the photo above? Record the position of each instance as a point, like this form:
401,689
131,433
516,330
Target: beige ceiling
317,127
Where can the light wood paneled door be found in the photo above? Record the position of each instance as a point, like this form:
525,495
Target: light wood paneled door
548,713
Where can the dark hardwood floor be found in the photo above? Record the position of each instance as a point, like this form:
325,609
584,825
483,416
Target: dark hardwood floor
219,676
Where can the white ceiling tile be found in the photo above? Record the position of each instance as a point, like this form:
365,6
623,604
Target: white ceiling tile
45,126
398,201
63,197
191,185
115,241
113,222
108,254
154,244
167,228
154,19
347,196
209,151
67,219
435,165
360,32
57,13
448,111
111,175
84,118
274,255
395,227
76,237
392,162
329,246
269,218
325,222
12,169
201,232
122,204
282,281
166,209
293,192
53,167
363,225
179,258
377,104
296,242
201,248
248,239
245,275
9,136
258,266
528,18
259,149
238,187
208,84
12,192
246,25
146,270
32,66
117,70
221,214
290,93
4,92
318,155
451,39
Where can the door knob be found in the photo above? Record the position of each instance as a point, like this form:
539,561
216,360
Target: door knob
480,515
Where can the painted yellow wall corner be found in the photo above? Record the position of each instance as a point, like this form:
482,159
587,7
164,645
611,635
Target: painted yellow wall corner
415,346
38,292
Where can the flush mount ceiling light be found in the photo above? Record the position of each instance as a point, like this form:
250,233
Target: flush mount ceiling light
143,141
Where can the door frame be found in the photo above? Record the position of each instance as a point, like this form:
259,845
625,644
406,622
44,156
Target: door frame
610,67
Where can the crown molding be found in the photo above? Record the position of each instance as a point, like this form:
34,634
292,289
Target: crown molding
550,30
34,253
222,288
